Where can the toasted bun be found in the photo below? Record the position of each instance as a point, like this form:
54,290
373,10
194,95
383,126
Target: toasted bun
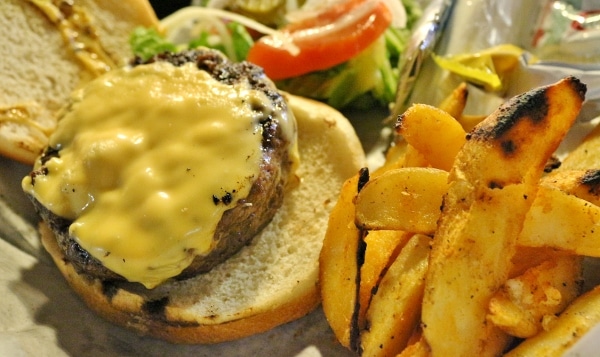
39,71
270,282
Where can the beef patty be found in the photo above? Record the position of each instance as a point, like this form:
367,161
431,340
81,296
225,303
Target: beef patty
243,220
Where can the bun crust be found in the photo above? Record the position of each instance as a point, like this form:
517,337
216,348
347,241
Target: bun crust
39,71
270,282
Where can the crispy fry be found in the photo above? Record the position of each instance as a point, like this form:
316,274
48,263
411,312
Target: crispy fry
584,184
586,155
338,263
508,244
571,325
562,221
418,348
394,157
494,180
523,303
396,306
407,199
561,216
516,138
382,249
455,103
414,158
528,257
470,121
420,123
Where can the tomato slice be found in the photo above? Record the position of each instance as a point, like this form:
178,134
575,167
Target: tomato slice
332,37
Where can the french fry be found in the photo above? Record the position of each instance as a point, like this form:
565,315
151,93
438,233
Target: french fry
346,293
470,121
562,221
395,308
509,157
528,257
338,263
571,325
382,248
508,243
420,123
586,155
407,199
493,180
416,349
524,302
394,157
455,103
584,184
414,158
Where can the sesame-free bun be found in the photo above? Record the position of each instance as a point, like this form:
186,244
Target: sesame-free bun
268,283
39,70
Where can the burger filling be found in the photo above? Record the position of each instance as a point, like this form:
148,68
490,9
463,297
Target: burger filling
147,159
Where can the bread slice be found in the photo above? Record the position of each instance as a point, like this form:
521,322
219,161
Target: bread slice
39,70
270,282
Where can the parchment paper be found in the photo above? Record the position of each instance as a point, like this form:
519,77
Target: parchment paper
41,316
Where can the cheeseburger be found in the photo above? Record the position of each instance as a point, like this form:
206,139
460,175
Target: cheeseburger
186,198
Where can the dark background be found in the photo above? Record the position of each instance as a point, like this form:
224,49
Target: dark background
165,7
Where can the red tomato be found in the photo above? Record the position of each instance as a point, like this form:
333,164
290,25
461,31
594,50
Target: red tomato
333,37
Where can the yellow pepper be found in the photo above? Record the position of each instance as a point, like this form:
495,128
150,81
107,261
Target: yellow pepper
486,68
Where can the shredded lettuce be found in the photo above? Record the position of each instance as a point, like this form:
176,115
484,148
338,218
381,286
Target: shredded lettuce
147,42
366,81
241,41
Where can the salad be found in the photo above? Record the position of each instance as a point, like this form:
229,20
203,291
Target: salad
341,52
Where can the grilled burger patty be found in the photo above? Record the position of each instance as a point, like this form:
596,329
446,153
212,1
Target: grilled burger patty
247,216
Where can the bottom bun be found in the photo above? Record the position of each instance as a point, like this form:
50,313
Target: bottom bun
272,281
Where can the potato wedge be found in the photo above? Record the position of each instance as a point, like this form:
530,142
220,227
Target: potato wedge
581,316
492,185
382,248
584,184
470,260
560,192
455,103
562,221
338,263
394,157
417,349
586,155
528,257
520,133
395,308
406,199
414,158
470,121
421,123
524,302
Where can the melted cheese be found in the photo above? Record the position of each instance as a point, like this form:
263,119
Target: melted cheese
143,154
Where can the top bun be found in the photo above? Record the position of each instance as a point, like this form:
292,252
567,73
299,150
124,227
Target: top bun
39,70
